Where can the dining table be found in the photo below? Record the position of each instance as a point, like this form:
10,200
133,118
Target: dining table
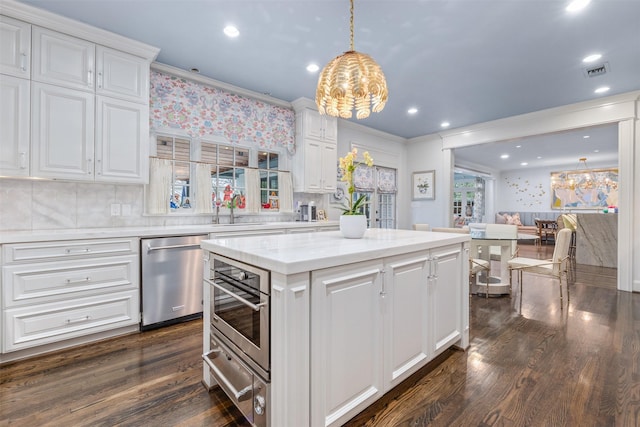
498,285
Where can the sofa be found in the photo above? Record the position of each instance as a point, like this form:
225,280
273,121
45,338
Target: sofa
526,221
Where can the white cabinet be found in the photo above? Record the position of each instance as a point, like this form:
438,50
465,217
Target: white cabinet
14,126
62,133
63,60
315,163
346,341
57,291
88,106
375,323
15,47
449,285
408,327
121,149
122,75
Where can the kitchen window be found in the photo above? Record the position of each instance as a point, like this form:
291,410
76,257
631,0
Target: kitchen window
378,184
196,175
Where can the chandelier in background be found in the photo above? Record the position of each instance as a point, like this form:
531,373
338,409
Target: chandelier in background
351,80
582,178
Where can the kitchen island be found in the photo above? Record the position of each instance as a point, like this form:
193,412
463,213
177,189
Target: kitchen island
350,319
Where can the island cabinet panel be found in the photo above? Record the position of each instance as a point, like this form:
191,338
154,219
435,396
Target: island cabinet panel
448,272
407,326
346,350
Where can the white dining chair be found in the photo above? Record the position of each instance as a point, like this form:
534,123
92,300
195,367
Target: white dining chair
421,227
555,267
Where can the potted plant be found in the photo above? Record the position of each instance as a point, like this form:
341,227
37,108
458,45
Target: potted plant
353,222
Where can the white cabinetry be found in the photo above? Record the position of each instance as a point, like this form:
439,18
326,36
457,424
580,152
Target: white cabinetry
88,103
375,323
315,163
15,47
346,341
54,292
14,126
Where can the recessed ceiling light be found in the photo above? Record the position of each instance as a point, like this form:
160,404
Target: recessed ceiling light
231,31
312,68
596,151
524,164
539,157
504,156
518,146
412,110
592,58
445,124
602,89
577,5
586,137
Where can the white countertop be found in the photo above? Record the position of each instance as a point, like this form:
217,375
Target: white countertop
295,253
151,231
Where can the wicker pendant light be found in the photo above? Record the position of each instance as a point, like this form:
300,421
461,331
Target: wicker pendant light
351,80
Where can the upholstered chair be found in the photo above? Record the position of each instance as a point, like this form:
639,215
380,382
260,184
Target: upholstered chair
556,267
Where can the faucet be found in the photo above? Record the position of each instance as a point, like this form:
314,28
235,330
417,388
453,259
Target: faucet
232,205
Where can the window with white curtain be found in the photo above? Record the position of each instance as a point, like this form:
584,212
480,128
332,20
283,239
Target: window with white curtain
205,174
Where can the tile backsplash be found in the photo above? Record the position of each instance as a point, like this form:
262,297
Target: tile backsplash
43,205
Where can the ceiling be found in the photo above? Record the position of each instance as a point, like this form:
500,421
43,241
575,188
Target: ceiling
459,61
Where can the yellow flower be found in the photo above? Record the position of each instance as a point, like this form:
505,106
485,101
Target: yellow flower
348,165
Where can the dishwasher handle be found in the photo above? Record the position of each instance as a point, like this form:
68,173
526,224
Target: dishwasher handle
157,248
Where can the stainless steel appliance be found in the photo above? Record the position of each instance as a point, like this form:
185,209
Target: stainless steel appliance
171,280
308,212
239,359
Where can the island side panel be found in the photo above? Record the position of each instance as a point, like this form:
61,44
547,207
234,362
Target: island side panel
290,343
464,281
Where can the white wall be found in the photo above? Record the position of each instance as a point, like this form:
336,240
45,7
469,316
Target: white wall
424,154
387,150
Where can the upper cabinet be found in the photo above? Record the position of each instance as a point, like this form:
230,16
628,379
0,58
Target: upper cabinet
15,47
315,164
81,110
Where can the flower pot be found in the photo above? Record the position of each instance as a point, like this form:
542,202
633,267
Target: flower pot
353,226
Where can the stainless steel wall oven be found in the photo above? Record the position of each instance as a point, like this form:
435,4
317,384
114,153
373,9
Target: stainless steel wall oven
239,356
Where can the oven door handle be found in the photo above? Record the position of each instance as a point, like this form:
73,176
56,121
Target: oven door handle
241,395
254,307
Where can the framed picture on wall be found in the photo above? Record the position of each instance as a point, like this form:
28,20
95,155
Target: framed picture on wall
423,185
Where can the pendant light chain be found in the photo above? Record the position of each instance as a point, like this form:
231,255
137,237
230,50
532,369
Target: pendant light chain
351,26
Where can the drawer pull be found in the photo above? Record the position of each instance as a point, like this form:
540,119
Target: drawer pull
79,319
78,251
83,280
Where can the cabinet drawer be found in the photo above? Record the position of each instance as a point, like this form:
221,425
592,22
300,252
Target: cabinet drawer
48,282
43,324
71,249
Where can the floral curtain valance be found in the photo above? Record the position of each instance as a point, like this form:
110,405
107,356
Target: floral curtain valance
387,180
364,178
202,110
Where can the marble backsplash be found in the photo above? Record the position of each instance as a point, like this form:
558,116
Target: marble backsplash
43,205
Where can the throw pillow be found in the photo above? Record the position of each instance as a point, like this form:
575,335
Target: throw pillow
515,218
500,219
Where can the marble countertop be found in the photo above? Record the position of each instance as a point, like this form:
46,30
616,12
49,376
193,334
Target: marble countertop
296,253
151,231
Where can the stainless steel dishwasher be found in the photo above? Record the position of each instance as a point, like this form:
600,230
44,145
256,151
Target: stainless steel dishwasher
171,280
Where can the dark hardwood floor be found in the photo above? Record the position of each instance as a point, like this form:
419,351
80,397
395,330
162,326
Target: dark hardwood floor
529,364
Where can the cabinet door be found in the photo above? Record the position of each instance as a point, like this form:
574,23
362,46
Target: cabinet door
346,342
446,296
329,167
122,75
312,124
122,130
407,338
313,150
63,60
15,47
62,132
14,126
330,129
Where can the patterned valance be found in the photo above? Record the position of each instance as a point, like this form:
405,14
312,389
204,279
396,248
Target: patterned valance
201,110
387,180
364,178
